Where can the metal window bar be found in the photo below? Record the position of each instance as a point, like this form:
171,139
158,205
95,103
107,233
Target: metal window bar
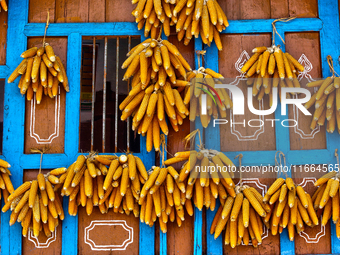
93,89
104,96
103,48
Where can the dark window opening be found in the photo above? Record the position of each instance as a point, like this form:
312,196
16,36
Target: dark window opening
101,129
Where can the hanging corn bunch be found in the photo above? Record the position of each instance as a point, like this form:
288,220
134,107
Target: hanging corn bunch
291,206
203,176
5,182
90,183
41,73
270,67
163,198
3,5
152,15
199,17
154,91
218,101
326,198
205,185
326,101
36,204
241,216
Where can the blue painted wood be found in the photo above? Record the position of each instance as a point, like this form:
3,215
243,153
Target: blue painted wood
72,114
198,223
85,29
212,141
265,26
4,72
146,239
69,232
163,242
14,114
72,117
330,45
130,28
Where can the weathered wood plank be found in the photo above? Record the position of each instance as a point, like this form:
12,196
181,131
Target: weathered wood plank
311,50
3,37
119,11
38,11
303,8
107,233
242,137
97,10
72,11
50,112
278,9
37,246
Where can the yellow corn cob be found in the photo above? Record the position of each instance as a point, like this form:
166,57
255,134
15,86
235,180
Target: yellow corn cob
49,190
295,62
20,190
275,186
253,201
236,207
334,188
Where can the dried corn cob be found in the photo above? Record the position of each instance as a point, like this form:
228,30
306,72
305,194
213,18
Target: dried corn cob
39,69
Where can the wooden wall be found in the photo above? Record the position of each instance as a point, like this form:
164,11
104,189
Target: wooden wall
180,240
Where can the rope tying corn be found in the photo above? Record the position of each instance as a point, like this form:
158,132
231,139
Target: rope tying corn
240,156
200,53
279,164
34,150
275,30
47,24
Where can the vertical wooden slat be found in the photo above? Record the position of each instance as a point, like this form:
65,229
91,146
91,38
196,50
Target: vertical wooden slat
97,10
14,114
72,11
38,11
304,8
278,9
3,36
119,11
330,45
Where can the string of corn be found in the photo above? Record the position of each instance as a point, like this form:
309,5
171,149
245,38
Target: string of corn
41,73
241,217
191,18
292,208
37,204
163,197
326,199
159,73
270,67
326,101
202,80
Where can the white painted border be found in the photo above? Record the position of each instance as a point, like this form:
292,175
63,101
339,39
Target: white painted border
322,232
109,247
33,134
39,245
